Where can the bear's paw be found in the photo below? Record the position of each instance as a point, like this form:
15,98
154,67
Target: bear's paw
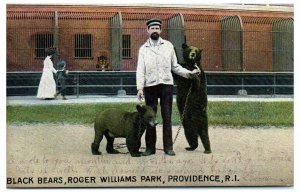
112,151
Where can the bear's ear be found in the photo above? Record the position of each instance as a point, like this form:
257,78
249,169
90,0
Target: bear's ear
140,109
200,50
184,45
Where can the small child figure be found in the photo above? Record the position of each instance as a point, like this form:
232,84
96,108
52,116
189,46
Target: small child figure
62,74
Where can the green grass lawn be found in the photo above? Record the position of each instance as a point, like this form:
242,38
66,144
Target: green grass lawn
219,113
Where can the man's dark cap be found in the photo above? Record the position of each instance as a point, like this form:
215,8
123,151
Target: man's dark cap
154,21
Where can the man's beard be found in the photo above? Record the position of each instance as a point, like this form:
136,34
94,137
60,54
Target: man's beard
154,36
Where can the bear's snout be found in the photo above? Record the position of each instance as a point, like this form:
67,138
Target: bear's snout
192,55
153,123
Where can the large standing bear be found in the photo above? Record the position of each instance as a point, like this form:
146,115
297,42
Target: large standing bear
192,100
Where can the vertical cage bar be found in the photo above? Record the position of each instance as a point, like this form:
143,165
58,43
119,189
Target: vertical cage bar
116,41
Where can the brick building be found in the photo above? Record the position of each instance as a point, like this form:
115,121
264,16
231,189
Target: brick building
92,38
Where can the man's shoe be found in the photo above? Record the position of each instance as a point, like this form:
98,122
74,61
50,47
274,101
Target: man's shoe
64,98
170,152
148,152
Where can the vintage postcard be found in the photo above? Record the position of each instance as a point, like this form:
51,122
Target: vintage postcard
217,79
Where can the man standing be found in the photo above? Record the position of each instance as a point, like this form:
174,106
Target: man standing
156,60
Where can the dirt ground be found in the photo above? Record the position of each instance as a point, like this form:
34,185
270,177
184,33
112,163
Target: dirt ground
58,155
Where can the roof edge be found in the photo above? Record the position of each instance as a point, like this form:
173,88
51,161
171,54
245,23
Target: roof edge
235,7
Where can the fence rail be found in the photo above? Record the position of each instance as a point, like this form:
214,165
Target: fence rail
111,83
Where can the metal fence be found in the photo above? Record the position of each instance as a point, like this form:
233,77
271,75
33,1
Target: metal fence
91,41
243,54
111,83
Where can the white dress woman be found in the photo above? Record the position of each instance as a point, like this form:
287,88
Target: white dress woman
47,86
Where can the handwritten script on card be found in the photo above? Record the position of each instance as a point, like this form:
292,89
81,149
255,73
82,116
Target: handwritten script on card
245,161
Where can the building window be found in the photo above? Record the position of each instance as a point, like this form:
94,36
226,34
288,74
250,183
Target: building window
83,46
126,47
42,41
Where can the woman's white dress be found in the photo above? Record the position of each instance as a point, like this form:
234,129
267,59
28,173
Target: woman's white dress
47,86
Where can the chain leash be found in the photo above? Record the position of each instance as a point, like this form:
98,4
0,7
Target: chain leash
185,107
183,113
123,145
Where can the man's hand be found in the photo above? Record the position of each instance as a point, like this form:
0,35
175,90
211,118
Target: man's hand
140,95
194,74
196,71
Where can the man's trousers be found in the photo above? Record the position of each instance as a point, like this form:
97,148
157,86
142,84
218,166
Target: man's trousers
165,94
